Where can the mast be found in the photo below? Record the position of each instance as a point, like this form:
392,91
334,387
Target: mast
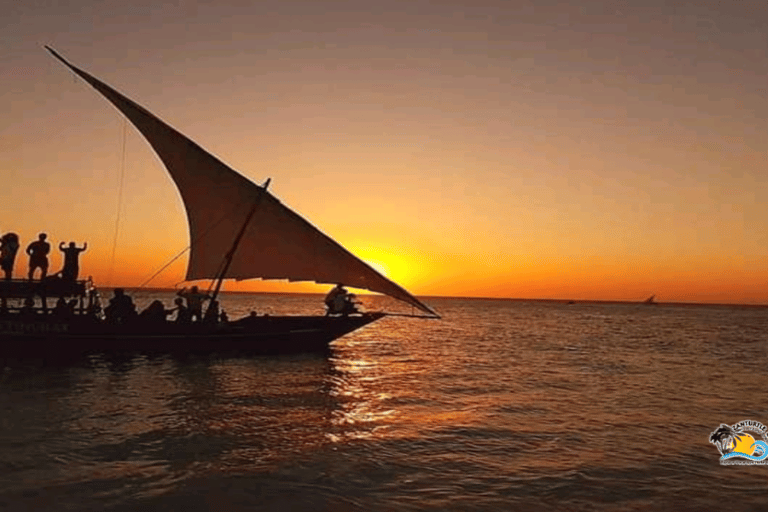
228,257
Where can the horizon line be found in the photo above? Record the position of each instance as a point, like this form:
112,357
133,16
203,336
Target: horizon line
517,299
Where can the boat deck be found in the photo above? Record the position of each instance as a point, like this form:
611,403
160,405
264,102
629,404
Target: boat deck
49,336
51,286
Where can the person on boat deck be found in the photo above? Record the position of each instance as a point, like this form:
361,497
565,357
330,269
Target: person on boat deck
335,292
212,313
71,266
155,313
182,312
121,308
38,256
9,246
61,310
330,299
29,308
93,311
194,302
338,301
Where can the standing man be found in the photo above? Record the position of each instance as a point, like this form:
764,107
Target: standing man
71,265
9,245
38,256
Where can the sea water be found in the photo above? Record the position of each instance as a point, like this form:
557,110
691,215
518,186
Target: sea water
501,405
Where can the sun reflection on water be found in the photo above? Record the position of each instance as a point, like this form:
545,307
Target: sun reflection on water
360,413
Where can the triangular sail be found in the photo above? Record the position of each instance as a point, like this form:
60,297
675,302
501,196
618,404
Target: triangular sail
277,244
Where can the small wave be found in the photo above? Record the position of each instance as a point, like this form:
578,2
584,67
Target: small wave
761,448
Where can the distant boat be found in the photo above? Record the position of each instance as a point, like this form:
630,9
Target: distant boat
237,230
650,300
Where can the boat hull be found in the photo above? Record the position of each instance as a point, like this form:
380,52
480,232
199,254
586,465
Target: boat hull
265,335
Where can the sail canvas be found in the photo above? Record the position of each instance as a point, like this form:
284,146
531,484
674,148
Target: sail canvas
277,242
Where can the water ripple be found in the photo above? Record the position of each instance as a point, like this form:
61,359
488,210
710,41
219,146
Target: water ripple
501,405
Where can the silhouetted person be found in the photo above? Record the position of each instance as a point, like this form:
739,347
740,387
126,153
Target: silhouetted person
339,301
212,313
93,311
38,256
155,313
224,318
61,310
71,264
28,311
121,308
182,312
330,299
9,246
194,302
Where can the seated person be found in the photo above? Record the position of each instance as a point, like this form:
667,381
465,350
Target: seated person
93,309
121,308
28,311
194,301
155,313
339,301
61,310
183,315
212,313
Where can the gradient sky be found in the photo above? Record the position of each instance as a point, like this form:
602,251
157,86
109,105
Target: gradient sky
611,150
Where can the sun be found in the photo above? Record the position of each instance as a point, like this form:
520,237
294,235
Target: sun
389,263
744,444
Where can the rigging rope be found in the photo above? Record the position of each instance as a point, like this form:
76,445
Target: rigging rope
119,204
202,235
145,283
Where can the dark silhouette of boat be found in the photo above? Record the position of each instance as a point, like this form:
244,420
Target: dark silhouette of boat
651,301
238,230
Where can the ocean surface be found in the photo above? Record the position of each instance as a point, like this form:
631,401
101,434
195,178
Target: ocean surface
501,405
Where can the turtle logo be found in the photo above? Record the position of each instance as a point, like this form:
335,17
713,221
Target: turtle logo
736,446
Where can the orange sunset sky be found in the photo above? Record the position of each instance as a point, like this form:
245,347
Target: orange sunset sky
607,150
